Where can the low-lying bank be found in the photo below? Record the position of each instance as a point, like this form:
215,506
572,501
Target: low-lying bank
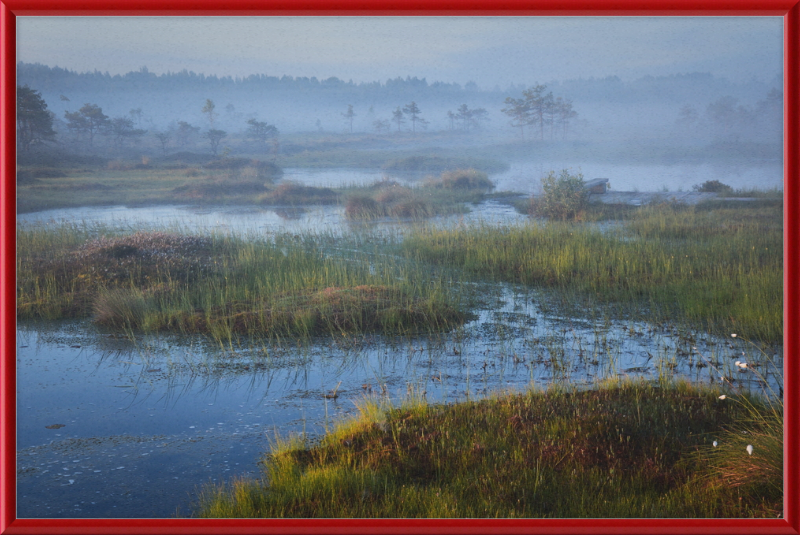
626,449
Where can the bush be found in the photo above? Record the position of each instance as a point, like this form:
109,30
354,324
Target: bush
392,194
362,207
466,179
413,208
712,186
564,197
417,163
291,193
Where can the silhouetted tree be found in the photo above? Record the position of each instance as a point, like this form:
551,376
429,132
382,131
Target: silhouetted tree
413,111
537,104
163,140
451,120
208,109
478,116
34,122
517,109
260,131
348,115
381,125
214,137
564,113
397,117
88,121
121,129
184,133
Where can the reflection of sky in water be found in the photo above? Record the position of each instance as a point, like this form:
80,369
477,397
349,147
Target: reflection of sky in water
249,219
202,410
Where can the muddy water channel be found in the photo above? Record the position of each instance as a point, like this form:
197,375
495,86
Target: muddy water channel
110,427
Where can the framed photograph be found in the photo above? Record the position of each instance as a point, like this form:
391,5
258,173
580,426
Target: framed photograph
379,266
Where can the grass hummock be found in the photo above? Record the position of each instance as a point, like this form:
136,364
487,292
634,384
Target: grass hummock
222,286
625,449
437,195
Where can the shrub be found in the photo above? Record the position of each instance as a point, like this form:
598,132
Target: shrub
362,207
392,194
417,163
413,208
466,179
292,193
712,186
564,197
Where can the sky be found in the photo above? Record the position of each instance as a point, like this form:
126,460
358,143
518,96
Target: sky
491,51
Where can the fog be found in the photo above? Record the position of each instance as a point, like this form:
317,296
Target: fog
712,85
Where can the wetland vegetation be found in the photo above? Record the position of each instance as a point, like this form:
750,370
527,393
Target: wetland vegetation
223,286
624,449
557,358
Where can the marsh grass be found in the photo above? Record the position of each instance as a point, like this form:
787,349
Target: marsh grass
223,285
445,194
719,270
624,449
748,453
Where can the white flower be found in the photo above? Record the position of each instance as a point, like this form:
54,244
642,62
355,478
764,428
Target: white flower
714,443
749,449
733,335
723,396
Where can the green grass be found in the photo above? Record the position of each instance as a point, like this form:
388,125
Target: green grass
224,286
719,270
625,449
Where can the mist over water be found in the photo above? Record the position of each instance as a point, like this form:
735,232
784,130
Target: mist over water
112,425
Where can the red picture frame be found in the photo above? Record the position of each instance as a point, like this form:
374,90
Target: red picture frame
788,9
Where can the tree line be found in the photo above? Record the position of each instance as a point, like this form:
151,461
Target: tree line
35,123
